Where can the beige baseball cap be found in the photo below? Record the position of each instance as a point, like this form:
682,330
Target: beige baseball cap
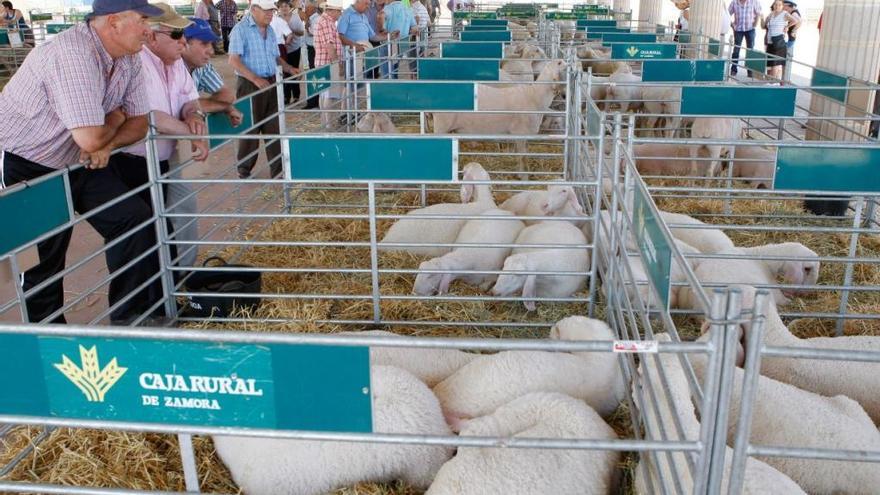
169,18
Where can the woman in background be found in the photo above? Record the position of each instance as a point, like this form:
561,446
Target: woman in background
14,19
777,23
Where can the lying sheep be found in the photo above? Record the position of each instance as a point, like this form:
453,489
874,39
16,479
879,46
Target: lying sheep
490,231
755,163
859,381
706,240
490,381
376,123
500,471
401,404
787,416
759,478
554,201
525,97
441,230
665,101
528,259
714,128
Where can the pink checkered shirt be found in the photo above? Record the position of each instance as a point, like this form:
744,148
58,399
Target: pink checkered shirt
67,83
744,14
326,39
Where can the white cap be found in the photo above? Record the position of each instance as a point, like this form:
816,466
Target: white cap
264,4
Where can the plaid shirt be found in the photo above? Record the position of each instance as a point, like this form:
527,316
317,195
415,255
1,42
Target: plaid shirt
67,83
744,14
257,53
326,38
207,79
228,10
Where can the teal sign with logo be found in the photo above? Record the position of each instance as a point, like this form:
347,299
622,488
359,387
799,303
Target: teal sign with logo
57,28
487,27
317,80
218,123
827,169
655,250
29,212
637,51
276,386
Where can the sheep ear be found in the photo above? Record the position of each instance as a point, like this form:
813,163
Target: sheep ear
528,292
467,193
445,280
573,201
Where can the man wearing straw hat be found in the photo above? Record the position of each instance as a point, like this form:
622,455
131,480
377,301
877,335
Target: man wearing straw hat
77,99
328,50
254,54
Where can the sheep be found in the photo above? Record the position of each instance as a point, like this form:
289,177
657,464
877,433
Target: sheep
755,163
741,270
525,97
662,159
623,90
509,74
429,365
528,259
599,90
706,240
759,478
376,123
676,275
665,100
401,404
514,471
441,231
717,129
787,416
859,381
489,381
554,201
477,231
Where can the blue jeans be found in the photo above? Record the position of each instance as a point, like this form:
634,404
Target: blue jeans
737,42
789,45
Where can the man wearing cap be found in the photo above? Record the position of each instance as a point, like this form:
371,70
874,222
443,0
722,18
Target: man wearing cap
75,100
254,54
793,11
215,97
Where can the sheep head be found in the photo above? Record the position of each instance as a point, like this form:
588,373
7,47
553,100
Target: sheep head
558,197
366,123
801,272
472,171
427,284
508,284
580,328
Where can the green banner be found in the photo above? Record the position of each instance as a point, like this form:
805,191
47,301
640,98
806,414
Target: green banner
825,78
473,15
421,96
31,211
656,253
683,70
644,51
373,158
485,35
439,69
277,386
317,80
761,101
471,50
218,123
816,168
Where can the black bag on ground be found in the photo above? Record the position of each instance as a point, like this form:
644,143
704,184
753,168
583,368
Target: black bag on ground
220,282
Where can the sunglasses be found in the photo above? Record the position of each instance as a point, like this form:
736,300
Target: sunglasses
175,35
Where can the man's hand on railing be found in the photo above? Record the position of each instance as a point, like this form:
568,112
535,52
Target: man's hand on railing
196,124
95,160
200,150
235,117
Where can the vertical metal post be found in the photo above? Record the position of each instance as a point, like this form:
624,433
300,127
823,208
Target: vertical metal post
188,459
18,280
848,273
282,129
612,214
374,252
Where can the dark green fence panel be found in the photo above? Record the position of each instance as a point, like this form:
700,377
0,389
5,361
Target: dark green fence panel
421,96
738,101
828,169
219,124
825,78
438,69
683,70
28,213
488,21
756,61
485,36
485,28
317,80
644,51
472,50
609,38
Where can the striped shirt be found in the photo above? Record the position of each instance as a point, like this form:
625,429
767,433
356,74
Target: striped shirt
67,83
744,12
228,10
326,41
207,79
258,53
776,24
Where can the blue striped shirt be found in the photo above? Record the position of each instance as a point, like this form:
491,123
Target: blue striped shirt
257,53
207,79
399,17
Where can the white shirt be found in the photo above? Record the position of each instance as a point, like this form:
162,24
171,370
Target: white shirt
296,24
281,29
421,13
309,38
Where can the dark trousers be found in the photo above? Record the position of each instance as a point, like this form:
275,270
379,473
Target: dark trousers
264,104
310,52
226,31
89,190
291,90
737,42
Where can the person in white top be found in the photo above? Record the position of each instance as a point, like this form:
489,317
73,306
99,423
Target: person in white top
421,14
293,44
282,32
777,23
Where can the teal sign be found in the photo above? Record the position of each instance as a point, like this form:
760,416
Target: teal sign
29,212
661,29
421,96
285,387
828,169
565,16
639,51
655,250
40,17
471,50
473,15
485,28
683,71
825,78
761,101
485,36
597,23
714,47
488,21
373,57
373,158
317,81
756,61
609,38
218,123
439,69
57,28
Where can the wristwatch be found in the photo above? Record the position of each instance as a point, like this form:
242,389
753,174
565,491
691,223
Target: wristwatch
201,114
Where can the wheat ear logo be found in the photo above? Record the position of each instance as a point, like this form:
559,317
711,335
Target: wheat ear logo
632,51
94,384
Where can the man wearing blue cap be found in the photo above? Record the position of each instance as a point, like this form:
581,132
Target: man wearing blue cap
216,96
76,99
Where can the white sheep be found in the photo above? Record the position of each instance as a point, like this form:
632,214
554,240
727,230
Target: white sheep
715,128
787,416
662,159
430,365
596,59
556,200
640,281
759,478
757,164
534,259
623,90
489,381
513,75
441,231
706,240
859,381
491,231
500,471
376,123
666,101
401,404
520,97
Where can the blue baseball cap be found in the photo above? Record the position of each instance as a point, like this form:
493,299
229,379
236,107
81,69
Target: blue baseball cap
200,30
107,7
